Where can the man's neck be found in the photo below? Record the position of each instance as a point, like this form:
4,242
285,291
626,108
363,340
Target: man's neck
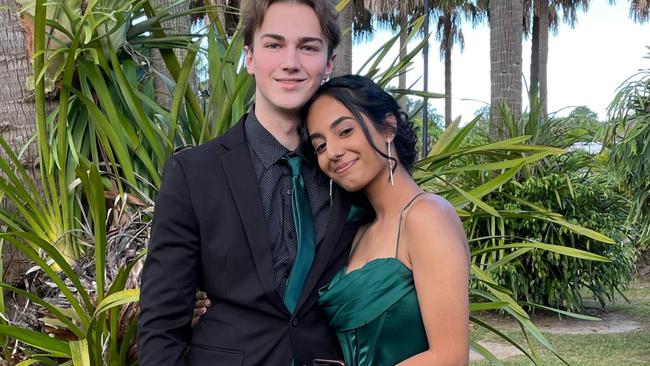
283,125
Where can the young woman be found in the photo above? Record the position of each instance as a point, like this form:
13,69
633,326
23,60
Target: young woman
402,298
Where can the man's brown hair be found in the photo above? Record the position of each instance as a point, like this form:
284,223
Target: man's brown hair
254,12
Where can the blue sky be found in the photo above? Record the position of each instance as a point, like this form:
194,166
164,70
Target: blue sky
586,63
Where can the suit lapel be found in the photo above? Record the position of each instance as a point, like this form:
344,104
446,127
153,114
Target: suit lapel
326,248
240,174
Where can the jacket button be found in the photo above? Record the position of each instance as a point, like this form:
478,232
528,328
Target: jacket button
295,322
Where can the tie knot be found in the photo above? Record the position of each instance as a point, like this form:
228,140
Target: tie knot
294,162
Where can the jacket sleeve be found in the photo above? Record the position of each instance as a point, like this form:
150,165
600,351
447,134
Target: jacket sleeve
170,274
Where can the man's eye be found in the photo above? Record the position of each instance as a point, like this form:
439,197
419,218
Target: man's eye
272,45
310,48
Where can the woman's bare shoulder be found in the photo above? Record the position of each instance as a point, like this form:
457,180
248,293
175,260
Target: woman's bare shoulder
433,224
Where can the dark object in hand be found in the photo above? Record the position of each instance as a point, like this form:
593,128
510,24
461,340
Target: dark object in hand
324,362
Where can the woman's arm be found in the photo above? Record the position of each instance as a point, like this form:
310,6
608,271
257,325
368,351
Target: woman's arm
436,246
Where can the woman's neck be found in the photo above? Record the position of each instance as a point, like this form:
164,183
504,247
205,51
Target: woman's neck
388,200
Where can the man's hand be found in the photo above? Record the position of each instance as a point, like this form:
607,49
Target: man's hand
200,306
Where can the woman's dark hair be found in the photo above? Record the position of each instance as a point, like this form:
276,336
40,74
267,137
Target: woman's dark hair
363,97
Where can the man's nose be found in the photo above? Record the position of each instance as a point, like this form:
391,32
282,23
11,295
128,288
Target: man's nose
290,59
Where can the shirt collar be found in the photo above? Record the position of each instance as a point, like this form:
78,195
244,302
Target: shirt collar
264,145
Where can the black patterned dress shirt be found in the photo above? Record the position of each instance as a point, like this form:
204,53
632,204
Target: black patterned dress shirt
274,181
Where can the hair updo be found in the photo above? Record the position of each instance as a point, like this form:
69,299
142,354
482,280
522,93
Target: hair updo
362,96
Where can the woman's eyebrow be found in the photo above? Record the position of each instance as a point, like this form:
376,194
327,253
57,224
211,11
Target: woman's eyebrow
334,124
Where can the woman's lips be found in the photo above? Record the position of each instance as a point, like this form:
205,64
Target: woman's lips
345,167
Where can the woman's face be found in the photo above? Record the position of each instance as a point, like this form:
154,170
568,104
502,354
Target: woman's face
342,149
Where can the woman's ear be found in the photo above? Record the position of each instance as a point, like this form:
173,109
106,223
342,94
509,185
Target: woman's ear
391,131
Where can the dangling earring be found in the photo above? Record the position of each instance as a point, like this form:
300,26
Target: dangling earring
331,196
390,164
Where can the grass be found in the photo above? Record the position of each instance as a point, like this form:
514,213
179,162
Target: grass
630,348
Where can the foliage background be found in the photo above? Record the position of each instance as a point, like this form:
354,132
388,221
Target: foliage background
102,146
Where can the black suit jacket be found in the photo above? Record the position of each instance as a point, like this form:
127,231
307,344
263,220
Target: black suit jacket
209,231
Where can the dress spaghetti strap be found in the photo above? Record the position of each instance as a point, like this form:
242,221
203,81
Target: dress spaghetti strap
401,214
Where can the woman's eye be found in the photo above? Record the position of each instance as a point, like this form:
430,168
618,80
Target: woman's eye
319,148
345,131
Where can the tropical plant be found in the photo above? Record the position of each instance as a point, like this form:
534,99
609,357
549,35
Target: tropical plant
92,159
88,321
469,173
96,153
629,144
574,185
109,138
584,197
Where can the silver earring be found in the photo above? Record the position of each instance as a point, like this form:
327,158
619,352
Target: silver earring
390,164
331,195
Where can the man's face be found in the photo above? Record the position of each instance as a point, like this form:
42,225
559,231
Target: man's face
288,58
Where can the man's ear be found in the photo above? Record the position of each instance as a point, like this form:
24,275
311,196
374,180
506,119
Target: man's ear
329,68
250,67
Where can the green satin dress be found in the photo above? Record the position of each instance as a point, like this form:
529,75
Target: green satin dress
375,313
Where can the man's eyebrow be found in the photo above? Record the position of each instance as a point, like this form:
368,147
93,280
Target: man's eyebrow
310,39
274,36
280,37
334,124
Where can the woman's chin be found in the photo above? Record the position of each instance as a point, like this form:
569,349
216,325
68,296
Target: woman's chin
349,186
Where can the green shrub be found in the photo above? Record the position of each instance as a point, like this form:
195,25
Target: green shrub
629,141
557,281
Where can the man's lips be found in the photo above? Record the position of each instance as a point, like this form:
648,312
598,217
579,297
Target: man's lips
344,167
289,82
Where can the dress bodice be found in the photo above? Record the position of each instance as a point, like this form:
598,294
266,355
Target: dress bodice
375,313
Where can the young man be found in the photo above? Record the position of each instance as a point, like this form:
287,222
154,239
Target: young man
225,221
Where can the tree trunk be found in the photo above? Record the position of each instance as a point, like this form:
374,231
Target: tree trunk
17,108
176,25
343,60
534,53
403,38
448,39
505,60
543,57
221,12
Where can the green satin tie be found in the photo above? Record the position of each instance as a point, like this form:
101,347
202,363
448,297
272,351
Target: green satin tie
304,223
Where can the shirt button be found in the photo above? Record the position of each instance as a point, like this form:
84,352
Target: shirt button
288,191
295,322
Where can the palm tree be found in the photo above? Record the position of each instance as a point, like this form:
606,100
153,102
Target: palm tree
395,14
639,10
177,25
17,107
343,60
449,33
545,17
506,30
